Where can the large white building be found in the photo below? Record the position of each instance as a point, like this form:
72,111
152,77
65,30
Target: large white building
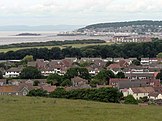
12,72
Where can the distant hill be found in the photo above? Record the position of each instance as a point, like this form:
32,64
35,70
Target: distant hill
130,25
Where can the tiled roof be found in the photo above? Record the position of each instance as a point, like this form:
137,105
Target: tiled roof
14,69
115,65
143,90
123,63
48,88
154,94
78,79
8,89
131,84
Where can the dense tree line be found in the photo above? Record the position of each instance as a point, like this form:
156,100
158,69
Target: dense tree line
103,94
137,50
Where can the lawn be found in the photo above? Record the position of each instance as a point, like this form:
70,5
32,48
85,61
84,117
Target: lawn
49,47
45,109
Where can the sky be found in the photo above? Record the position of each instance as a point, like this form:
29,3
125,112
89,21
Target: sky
77,12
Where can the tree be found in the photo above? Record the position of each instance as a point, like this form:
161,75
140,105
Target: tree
55,53
54,79
1,75
37,92
159,75
94,82
136,62
81,72
28,58
120,75
52,82
30,73
2,65
130,100
71,73
66,82
36,83
58,93
104,75
159,55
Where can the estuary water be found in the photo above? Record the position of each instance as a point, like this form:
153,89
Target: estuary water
8,37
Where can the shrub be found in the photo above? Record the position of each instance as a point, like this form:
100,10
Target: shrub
130,100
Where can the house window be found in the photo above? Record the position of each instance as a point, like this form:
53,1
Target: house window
25,93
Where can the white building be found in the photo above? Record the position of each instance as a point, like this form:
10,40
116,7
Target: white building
138,92
12,72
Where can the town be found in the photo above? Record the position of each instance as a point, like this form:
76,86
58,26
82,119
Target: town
121,32
137,77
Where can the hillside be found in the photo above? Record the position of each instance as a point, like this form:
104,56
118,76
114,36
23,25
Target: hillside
45,109
132,26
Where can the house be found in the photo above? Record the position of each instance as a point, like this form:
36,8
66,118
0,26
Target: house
155,96
130,60
127,83
54,66
48,88
14,82
130,84
127,39
8,90
140,92
115,68
47,71
139,72
133,68
93,70
123,63
79,82
41,63
158,89
2,82
23,90
99,63
14,90
114,82
13,72
125,92
116,60
31,81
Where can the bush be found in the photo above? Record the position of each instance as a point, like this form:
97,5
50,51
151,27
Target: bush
37,92
58,93
102,94
30,73
130,100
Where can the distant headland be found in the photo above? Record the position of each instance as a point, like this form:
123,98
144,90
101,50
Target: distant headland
28,34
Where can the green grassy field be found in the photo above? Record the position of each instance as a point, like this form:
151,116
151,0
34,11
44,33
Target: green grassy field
45,109
49,47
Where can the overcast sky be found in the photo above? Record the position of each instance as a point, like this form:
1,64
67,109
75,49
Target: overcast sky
77,12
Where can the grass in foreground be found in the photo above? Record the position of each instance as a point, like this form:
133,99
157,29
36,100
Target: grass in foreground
45,109
49,47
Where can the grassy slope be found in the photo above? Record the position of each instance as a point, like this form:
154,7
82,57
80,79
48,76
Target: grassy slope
43,109
63,46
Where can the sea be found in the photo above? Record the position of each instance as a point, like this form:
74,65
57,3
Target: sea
9,37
